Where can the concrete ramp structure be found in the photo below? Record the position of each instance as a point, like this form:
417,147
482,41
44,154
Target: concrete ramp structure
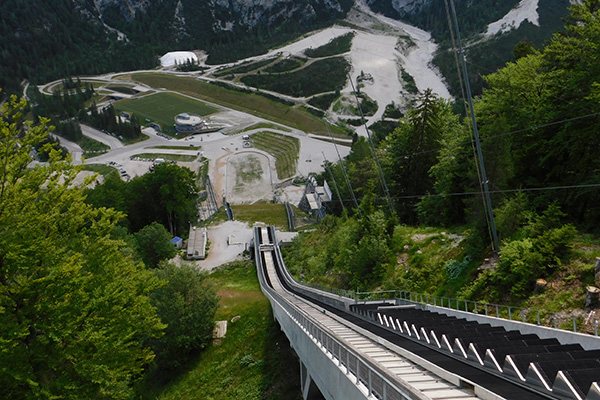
394,349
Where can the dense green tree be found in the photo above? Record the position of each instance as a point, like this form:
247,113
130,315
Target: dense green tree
411,150
153,244
187,304
75,311
167,195
362,170
111,193
107,120
541,116
451,174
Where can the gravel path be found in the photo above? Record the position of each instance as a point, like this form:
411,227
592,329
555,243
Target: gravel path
227,243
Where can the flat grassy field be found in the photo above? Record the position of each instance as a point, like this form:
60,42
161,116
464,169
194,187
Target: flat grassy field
102,169
285,149
166,156
250,103
253,362
162,108
263,125
270,214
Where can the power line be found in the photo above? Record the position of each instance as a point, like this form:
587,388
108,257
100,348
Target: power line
381,175
483,181
345,173
498,191
486,138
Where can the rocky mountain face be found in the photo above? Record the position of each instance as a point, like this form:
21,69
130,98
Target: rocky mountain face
403,7
192,18
42,40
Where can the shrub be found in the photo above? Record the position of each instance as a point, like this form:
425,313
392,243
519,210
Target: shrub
338,45
545,244
518,266
455,267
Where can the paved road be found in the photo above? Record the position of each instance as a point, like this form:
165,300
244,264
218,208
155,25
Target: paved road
102,137
73,148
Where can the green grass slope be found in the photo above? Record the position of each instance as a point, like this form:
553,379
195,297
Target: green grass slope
253,362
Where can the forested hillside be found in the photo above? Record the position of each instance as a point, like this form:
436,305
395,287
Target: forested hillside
539,123
485,54
42,40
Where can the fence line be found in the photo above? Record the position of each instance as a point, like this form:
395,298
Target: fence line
512,313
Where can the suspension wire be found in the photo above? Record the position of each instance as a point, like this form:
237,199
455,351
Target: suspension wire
465,108
487,138
381,176
452,38
334,181
498,191
483,180
344,171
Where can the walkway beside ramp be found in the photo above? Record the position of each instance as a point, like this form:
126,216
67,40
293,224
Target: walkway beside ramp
394,349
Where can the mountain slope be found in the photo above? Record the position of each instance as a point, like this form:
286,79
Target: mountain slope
485,53
48,39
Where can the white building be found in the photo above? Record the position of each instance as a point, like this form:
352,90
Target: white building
190,123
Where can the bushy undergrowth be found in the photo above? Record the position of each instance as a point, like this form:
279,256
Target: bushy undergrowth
324,101
325,75
343,252
535,247
375,254
338,45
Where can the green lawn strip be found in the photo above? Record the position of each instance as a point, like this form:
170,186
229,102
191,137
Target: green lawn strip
166,156
245,67
337,142
122,89
285,149
270,214
138,139
90,145
253,362
162,108
263,125
102,169
250,103
176,147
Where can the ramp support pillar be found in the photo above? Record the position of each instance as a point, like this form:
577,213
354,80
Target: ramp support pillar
310,391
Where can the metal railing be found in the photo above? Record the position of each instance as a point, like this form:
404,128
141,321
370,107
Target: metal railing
365,376
339,292
358,371
511,313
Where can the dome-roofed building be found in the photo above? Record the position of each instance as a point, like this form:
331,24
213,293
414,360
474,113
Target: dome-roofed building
190,123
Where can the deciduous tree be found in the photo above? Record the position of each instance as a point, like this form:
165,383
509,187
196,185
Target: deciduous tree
187,305
74,309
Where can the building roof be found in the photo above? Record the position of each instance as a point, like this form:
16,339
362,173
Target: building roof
188,119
